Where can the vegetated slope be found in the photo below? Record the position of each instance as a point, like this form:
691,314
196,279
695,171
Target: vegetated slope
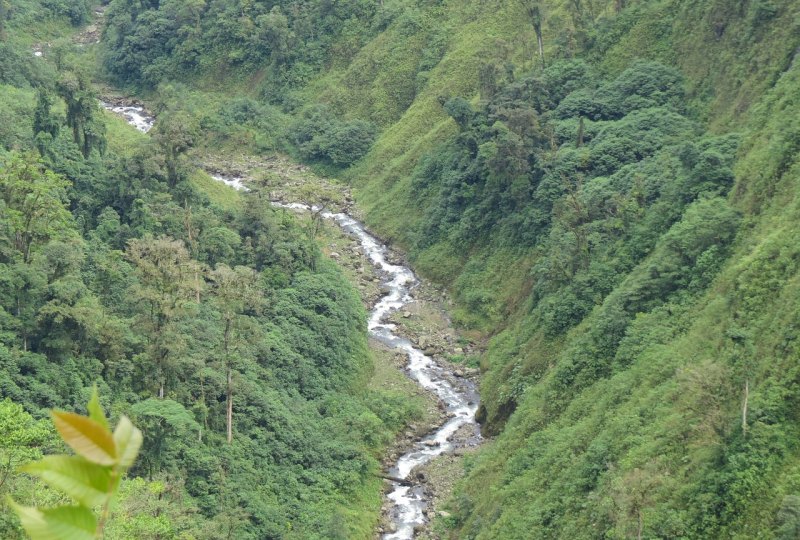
196,315
618,215
639,271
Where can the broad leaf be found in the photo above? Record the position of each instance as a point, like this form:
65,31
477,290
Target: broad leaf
87,437
96,411
62,523
128,439
88,483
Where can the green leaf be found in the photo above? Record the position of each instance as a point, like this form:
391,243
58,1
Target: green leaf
128,439
96,411
89,484
88,438
62,523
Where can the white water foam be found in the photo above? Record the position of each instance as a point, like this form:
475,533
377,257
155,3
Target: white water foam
408,501
236,182
134,115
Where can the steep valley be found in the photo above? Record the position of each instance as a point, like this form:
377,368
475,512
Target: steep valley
599,197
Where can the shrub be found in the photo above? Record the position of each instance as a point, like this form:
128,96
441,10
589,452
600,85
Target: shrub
318,136
347,143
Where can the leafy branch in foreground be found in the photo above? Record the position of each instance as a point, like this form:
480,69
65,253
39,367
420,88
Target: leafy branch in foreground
91,478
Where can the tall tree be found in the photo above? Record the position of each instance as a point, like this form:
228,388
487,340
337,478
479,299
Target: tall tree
165,291
45,123
234,291
534,10
32,204
88,129
175,134
32,213
191,236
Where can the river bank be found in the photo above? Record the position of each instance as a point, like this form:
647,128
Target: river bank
410,330
423,320
409,499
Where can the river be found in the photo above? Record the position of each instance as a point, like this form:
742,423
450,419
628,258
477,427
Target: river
459,396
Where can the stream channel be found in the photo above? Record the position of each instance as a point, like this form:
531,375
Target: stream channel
459,396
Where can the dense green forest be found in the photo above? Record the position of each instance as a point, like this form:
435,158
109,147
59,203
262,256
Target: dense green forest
608,189
211,320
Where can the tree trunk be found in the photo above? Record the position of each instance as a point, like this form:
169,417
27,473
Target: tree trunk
229,393
187,222
205,415
230,406
541,43
76,134
641,525
197,285
535,15
744,406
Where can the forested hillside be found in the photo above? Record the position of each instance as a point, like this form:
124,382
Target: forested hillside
608,189
209,318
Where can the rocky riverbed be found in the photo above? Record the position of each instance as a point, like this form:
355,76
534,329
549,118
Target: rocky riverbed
408,322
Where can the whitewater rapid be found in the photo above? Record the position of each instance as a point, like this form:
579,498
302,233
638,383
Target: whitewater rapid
459,396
